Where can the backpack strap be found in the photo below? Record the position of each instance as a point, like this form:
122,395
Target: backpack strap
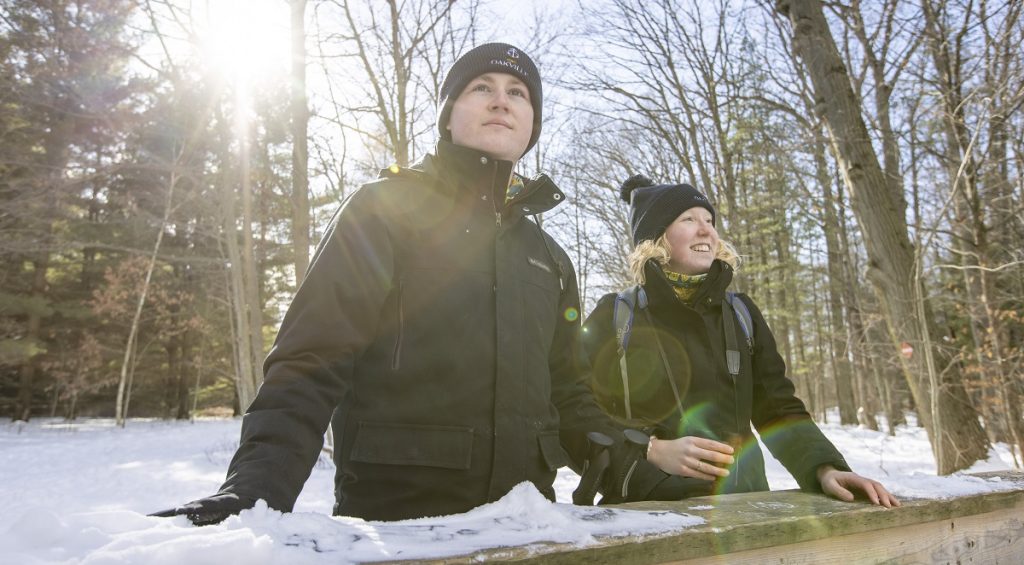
739,308
622,319
732,351
740,314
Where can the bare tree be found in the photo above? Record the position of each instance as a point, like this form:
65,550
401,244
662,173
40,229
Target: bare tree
978,176
388,64
666,73
894,268
127,362
232,136
886,43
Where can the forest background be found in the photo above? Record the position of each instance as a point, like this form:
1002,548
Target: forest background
167,165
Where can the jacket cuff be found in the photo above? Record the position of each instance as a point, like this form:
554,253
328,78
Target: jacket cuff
646,476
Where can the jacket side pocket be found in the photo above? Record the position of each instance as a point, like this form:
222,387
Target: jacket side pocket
447,447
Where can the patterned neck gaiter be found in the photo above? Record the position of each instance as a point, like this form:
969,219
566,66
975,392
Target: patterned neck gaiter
685,286
515,188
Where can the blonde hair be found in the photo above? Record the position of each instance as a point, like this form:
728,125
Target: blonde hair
661,251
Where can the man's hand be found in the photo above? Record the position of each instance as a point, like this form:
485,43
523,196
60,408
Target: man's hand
845,485
691,456
211,510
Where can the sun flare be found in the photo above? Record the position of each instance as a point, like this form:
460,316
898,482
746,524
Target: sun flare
246,40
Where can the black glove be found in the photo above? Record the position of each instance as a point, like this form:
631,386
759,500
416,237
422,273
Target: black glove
211,510
594,468
628,477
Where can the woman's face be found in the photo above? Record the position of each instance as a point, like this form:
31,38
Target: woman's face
693,242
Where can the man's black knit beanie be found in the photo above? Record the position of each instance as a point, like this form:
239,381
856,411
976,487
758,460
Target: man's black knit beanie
489,58
653,207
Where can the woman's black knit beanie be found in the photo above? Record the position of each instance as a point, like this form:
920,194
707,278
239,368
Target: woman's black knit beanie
490,58
653,207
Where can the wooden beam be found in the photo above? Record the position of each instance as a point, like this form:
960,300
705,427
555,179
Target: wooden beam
798,527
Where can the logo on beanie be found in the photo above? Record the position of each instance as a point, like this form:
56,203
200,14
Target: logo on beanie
511,64
511,60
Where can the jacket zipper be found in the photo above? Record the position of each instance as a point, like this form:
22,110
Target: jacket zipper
396,359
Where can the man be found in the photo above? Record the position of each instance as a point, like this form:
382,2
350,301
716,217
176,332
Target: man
438,323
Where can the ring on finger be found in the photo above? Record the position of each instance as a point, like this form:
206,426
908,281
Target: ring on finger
700,466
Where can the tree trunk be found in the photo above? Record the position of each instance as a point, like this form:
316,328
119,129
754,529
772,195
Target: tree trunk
195,394
245,370
811,385
174,361
400,135
33,334
820,355
183,378
952,423
252,304
300,152
123,390
962,169
1001,69
840,335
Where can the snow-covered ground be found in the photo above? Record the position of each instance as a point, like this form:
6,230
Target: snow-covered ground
80,492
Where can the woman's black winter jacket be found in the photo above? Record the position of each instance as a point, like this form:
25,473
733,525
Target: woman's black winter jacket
439,326
715,406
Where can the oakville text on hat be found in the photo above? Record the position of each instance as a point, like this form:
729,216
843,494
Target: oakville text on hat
510,64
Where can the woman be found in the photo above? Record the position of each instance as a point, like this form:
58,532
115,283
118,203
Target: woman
695,365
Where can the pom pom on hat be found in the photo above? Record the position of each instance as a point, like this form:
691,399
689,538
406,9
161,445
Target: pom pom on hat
632,183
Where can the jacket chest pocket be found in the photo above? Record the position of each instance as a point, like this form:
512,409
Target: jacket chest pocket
541,297
457,246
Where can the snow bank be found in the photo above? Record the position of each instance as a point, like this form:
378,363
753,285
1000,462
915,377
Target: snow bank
79,493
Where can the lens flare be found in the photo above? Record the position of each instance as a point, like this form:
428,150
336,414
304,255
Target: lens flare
571,314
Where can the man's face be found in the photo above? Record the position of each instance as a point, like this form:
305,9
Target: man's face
493,114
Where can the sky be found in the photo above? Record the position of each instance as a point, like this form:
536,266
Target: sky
79,493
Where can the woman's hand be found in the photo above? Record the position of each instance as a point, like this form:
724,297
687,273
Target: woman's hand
691,457
845,485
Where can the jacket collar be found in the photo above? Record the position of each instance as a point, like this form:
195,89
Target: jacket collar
461,168
711,291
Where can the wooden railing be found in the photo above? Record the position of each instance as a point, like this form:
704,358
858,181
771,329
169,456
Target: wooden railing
796,527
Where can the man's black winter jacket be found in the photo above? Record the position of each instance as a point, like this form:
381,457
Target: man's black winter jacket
439,325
